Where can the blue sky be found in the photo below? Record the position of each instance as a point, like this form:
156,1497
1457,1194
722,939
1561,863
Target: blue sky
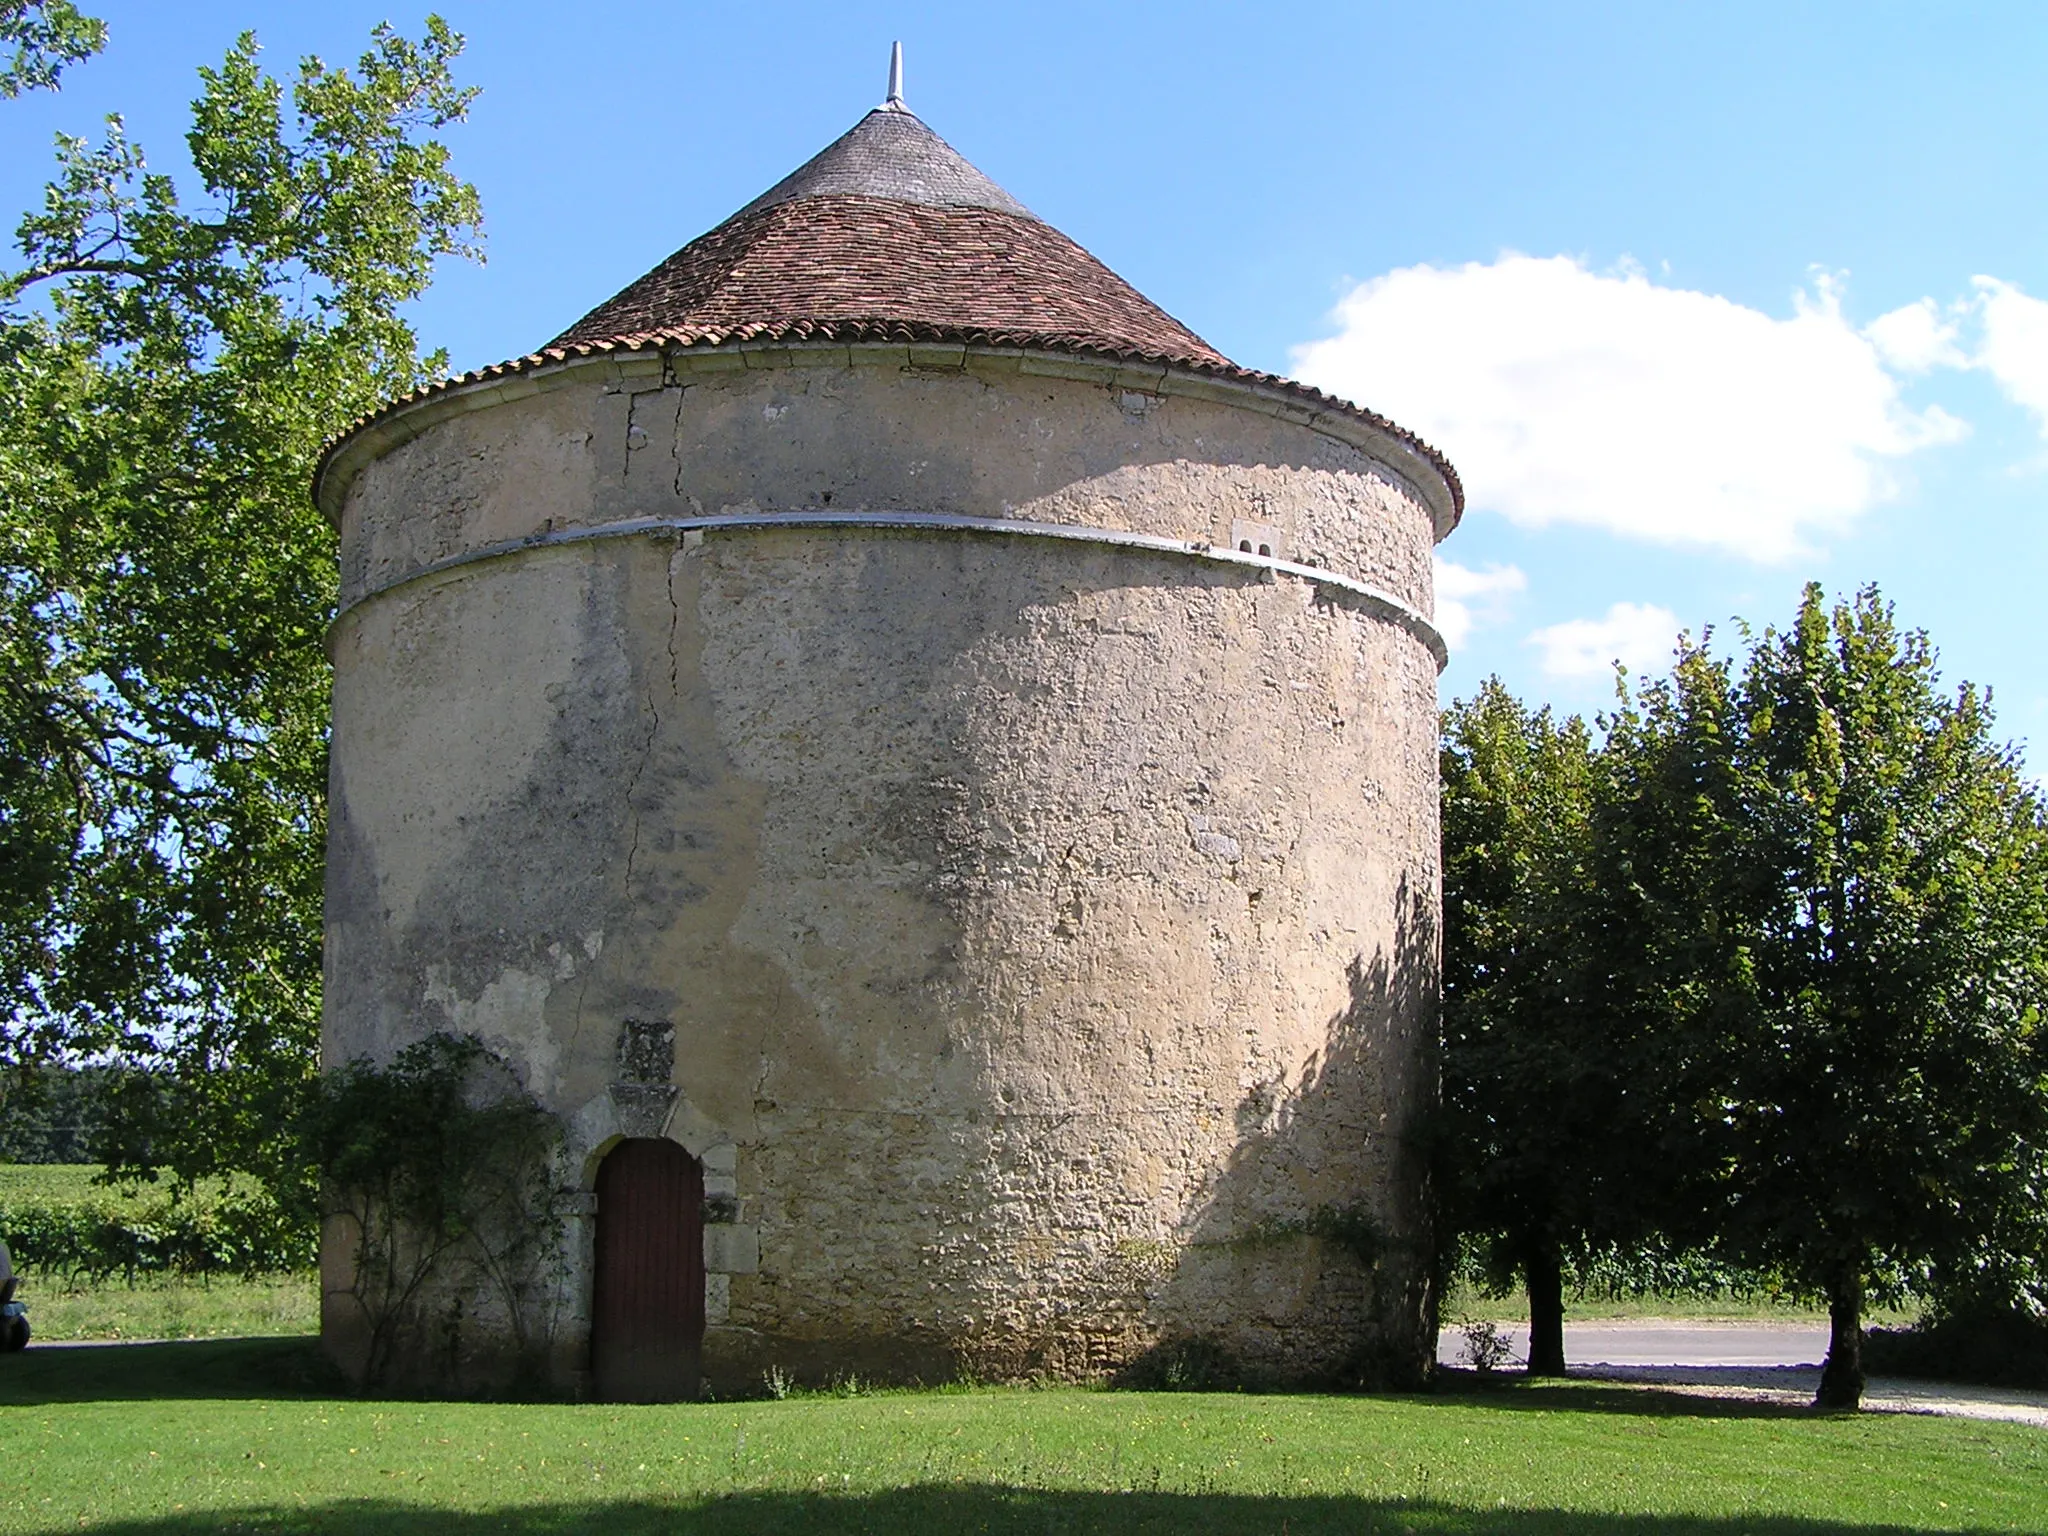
1705,302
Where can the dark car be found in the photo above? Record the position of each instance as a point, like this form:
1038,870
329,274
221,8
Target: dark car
13,1315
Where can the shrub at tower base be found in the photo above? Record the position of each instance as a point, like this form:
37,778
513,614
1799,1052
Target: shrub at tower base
443,1222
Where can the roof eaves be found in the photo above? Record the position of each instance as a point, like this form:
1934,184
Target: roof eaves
755,337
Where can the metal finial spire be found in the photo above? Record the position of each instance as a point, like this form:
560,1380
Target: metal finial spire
895,101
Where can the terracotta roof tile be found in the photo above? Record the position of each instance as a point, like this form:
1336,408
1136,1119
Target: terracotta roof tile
841,257
890,235
887,223
891,153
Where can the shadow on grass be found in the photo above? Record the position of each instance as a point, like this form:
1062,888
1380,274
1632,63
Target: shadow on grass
981,1508
1523,1395
198,1368
293,1368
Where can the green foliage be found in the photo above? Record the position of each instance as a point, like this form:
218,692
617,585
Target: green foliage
1997,1346
53,1114
62,1227
1828,903
1753,988
1894,1054
67,1181
1651,1272
1486,1349
1656,1267
46,37
170,367
1544,1122
443,1172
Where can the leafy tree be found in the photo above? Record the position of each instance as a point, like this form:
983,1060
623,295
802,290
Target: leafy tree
46,38
1665,889
1835,893
169,370
52,1114
1530,1096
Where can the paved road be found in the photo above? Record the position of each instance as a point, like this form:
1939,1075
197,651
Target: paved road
1775,1362
1656,1342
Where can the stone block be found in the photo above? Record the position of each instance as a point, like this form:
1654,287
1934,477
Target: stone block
732,1249
819,354
925,354
1146,378
879,354
706,360
1056,365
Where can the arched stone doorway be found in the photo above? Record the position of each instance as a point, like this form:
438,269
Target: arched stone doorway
647,1322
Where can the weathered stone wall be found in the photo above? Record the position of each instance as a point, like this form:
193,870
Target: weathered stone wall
1048,928
707,434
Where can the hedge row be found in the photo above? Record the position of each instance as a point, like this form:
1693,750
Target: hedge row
1993,1347
101,1234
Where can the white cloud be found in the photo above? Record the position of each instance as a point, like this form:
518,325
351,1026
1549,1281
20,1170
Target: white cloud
2015,345
1915,338
1565,395
1641,636
1466,598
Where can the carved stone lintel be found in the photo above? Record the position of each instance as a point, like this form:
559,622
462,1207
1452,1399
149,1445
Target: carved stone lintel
643,1108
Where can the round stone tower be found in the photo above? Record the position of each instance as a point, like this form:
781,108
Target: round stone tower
928,770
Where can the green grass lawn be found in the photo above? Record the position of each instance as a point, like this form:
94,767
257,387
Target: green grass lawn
180,1307
174,1307
247,1435
64,1228
65,1304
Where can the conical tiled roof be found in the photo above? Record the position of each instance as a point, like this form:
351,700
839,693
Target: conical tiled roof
889,236
889,226
890,153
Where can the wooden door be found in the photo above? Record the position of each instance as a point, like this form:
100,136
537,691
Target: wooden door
647,1324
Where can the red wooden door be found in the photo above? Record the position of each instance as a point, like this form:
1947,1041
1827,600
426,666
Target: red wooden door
647,1324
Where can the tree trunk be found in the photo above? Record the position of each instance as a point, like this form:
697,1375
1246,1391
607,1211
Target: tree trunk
1545,1276
1841,1379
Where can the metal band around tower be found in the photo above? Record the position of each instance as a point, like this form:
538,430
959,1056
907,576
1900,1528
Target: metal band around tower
1375,600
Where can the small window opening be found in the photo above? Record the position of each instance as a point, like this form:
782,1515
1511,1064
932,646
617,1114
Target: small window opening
1263,539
